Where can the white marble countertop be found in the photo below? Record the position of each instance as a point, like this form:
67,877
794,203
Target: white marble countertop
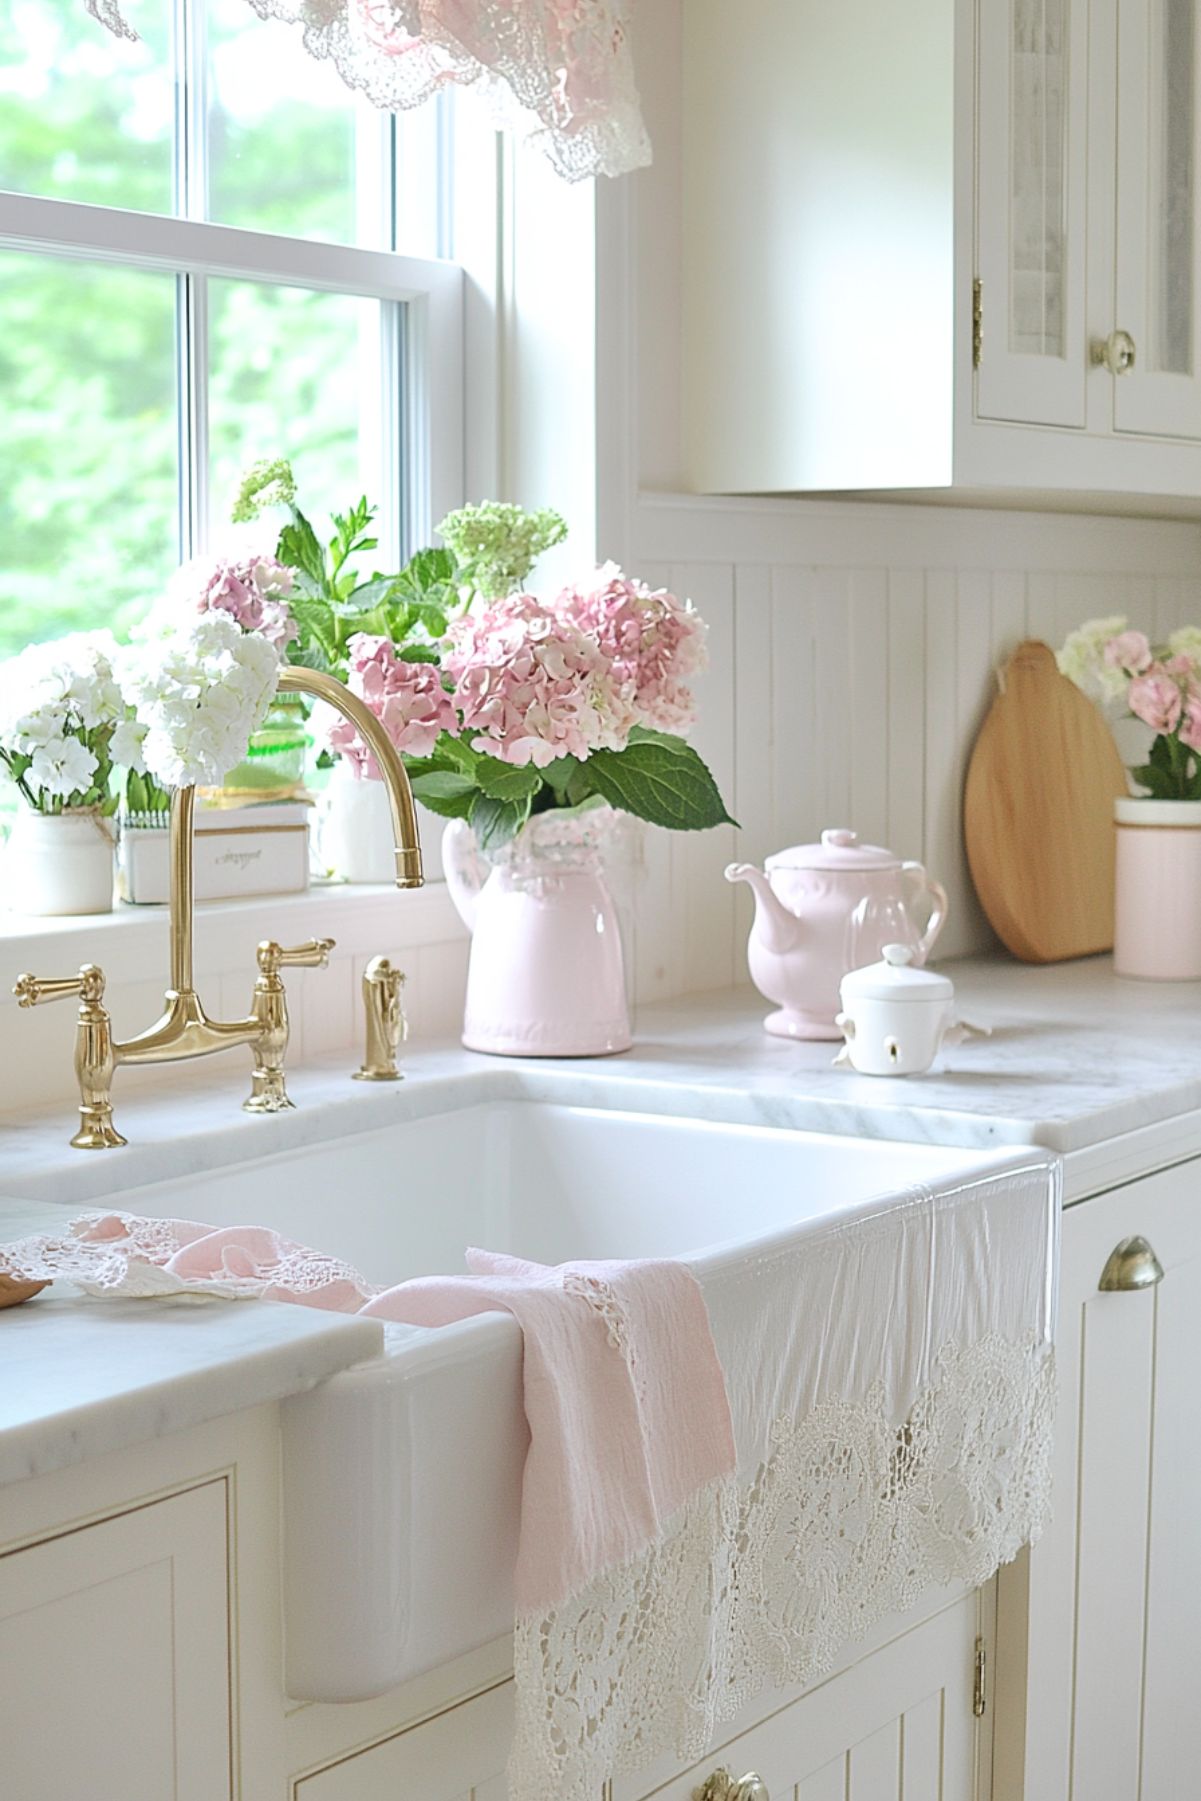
1079,1062
1077,1056
80,1377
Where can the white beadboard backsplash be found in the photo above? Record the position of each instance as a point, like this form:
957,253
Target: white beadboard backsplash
852,650
850,691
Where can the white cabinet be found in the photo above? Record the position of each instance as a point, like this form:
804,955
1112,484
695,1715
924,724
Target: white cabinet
458,1756
945,247
899,1726
115,1658
1097,1657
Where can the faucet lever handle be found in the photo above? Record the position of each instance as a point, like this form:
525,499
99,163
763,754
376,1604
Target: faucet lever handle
312,954
32,991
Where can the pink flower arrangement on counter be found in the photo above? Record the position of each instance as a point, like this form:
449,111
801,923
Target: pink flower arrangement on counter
1160,686
504,702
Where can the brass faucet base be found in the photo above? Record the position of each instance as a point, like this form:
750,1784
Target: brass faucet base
97,1131
267,1093
367,1074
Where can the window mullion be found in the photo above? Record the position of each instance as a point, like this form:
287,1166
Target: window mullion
190,60
191,109
192,376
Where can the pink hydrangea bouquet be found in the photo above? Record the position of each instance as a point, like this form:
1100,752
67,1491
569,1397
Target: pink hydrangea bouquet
1160,685
538,703
505,703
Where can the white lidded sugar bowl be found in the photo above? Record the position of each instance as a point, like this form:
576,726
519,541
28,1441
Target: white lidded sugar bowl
895,1016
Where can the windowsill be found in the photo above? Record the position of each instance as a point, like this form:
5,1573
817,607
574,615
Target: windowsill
131,942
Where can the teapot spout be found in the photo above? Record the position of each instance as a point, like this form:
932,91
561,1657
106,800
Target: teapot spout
779,929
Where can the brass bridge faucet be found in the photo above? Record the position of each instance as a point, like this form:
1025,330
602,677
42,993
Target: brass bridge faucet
185,1030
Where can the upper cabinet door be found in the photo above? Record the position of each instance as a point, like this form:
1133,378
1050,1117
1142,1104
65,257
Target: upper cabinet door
1158,275
1032,62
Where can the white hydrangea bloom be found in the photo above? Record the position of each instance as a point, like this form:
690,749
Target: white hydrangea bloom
199,695
1082,658
60,706
126,746
62,767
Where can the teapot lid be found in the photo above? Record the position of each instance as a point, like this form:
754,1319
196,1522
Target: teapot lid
839,849
896,979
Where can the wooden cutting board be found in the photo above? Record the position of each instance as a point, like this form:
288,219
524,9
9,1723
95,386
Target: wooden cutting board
1038,813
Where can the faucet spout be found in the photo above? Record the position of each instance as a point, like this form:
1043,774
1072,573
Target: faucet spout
296,680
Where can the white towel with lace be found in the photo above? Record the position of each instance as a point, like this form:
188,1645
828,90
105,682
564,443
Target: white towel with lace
890,1379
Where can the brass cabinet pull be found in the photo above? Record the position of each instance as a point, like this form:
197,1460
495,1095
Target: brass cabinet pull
1131,1265
721,1786
1115,353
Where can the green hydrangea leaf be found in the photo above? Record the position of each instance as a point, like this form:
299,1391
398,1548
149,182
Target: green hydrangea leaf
662,780
504,781
495,822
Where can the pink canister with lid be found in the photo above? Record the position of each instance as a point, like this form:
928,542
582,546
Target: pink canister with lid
1157,892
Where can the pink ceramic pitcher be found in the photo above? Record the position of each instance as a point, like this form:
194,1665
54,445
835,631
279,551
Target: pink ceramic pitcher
824,909
547,972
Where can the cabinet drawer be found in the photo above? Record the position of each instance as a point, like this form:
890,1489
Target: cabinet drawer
114,1644
459,1756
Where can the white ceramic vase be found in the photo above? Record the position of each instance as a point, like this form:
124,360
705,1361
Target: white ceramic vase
59,863
357,838
547,975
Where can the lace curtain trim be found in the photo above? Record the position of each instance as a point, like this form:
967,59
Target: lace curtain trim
760,1585
559,71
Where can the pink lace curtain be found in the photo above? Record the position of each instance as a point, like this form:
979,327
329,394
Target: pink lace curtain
558,71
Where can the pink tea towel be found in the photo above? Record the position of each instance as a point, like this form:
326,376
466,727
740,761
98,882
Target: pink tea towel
624,1395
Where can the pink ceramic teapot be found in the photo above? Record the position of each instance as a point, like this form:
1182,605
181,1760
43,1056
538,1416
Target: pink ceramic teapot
824,909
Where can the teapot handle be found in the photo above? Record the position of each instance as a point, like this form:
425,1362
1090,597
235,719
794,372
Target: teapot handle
938,917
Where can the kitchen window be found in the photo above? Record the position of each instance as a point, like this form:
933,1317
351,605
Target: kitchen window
210,253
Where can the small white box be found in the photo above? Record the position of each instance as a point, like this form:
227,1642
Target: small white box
239,851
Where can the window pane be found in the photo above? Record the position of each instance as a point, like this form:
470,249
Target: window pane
296,374
282,131
88,479
85,115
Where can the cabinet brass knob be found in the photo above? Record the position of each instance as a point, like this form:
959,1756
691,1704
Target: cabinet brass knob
721,1786
1131,1264
1115,353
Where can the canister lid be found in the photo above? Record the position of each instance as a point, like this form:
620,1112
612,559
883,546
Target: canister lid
896,979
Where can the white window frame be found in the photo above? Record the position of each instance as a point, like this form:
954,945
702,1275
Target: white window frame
420,357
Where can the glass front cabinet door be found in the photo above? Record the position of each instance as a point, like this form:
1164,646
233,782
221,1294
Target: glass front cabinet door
1155,354
1032,145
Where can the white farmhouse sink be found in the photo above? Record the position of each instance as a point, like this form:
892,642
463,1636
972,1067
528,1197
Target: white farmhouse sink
402,1477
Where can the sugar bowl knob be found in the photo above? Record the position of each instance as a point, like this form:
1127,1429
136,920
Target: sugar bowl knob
721,1786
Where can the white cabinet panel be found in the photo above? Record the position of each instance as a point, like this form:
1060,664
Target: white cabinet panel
874,1770
1115,1466
827,1784
897,1727
1171,1737
1096,1627
458,1755
114,1647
